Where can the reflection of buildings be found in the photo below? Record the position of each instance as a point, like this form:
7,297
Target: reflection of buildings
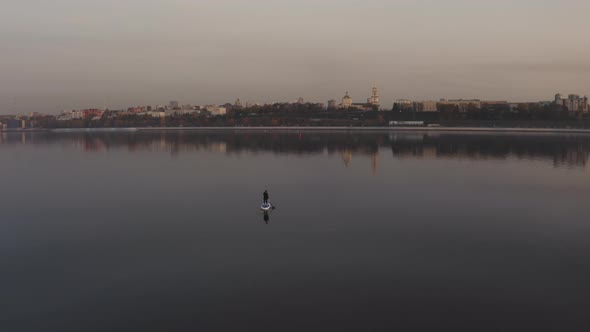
219,147
572,157
374,162
346,157
558,150
94,146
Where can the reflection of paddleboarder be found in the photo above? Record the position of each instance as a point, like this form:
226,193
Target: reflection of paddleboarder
266,217
265,197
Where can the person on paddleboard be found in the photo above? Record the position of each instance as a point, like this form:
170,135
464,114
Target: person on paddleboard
265,197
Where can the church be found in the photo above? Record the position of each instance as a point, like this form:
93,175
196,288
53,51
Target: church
371,104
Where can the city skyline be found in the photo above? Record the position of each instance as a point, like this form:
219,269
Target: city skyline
344,103
71,55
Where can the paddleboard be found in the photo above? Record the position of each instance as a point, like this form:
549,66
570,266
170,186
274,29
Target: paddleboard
266,206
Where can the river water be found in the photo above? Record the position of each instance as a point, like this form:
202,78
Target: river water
162,231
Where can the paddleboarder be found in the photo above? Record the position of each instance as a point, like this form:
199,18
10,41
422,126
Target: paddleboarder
265,197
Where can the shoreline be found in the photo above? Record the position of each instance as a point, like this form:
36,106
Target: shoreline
340,129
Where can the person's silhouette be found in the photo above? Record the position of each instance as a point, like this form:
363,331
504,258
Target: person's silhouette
265,197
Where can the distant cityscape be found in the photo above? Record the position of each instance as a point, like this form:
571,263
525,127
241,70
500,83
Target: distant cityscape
345,112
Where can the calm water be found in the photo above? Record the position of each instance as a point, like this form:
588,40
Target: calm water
162,231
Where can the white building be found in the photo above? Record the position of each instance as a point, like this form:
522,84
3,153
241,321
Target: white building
346,101
216,110
373,101
574,103
157,114
70,115
64,116
425,106
77,114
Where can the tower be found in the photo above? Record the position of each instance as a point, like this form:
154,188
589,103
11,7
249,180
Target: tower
374,100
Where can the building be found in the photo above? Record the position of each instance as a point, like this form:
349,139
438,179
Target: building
403,105
373,101
492,103
462,104
332,104
346,101
90,113
64,116
216,110
425,106
79,114
174,104
573,103
495,105
157,114
177,111
238,103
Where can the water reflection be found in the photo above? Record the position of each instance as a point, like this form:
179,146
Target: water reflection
266,217
560,150
99,227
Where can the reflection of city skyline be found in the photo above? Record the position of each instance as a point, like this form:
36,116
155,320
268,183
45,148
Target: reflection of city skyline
560,150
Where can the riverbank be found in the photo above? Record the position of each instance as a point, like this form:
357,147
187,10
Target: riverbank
351,129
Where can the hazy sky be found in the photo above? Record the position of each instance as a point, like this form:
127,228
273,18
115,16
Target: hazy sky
63,54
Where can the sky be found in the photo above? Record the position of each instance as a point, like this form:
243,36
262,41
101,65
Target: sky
68,54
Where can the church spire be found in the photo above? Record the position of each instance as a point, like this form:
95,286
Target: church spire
374,100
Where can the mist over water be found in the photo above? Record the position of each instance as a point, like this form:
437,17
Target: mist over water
387,231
